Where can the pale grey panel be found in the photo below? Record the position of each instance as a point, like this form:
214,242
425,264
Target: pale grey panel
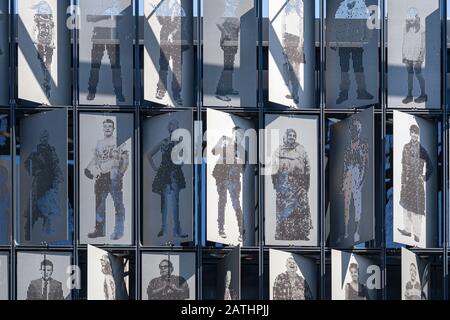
411,183
369,275
4,276
107,275
155,139
168,53
306,273
44,66
29,275
301,190
106,33
229,267
5,200
43,178
183,275
352,41
351,176
92,144
407,45
237,18
292,18
4,53
220,125
415,276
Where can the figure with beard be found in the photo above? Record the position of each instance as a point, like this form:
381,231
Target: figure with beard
44,26
45,288
293,46
167,286
228,173
291,286
415,160
291,183
354,290
413,289
169,181
107,168
44,168
356,161
173,41
351,34
413,54
229,26
105,37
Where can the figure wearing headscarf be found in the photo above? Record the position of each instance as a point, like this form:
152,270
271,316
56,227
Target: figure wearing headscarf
415,160
105,37
293,45
44,168
413,54
44,30
169,180
291,286
229,26
173,41
356,162
291,183
350,31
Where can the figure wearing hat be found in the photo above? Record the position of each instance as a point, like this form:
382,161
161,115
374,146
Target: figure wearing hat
415,160
44,31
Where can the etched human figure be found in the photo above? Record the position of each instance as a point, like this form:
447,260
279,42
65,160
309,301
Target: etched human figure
289,285
44,40
109,284
107,167
169,180
291,182
45,288
228,172
413,288
167,286
351,34
355,290
229,26
413,54
43,166
293,46
173,42
105,37
416,169
229,292
356,165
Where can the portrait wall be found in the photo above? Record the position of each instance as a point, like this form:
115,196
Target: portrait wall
354,277
107,275
44,276
351,180
229,276
229,53
415,180
291,151
4,276
5,200
292,53
168,276
44,52
415,277
292,277
230,195
414,55
106,52
43,177
106,178
168,179
169,52
4,53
